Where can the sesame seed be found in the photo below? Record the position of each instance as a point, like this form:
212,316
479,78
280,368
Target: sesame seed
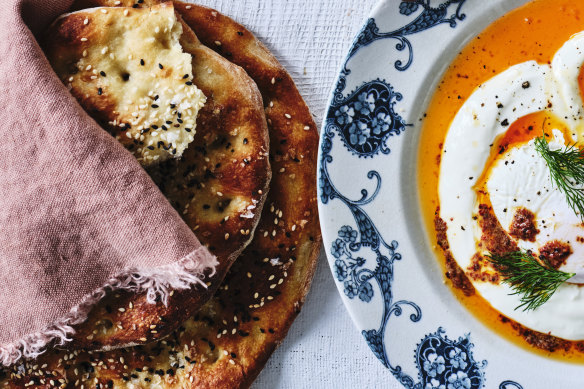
118,2
71,79
226,236
126,12
218,43
273,80
232,362
273,286
248,275
306,128
122,309
83,39
287,115
189,7
157,29
88,67
86,21
271,277
104,11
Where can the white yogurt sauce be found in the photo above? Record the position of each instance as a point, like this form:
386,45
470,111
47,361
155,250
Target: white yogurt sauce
520,90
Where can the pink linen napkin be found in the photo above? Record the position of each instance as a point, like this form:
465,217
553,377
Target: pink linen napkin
77,212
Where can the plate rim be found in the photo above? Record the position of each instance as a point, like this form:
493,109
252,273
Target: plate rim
433,346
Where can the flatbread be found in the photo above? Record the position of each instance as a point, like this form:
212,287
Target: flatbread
228,342
218,186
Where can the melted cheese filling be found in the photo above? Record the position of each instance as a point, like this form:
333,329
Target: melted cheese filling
138,66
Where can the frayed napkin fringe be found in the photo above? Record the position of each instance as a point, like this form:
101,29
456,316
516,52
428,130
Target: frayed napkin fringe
157,282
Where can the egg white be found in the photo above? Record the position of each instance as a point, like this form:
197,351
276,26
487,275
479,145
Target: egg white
518,91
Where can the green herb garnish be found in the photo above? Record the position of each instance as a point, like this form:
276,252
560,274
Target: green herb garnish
566,170
536,281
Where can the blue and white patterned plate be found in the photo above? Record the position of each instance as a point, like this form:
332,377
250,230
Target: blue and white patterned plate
387,275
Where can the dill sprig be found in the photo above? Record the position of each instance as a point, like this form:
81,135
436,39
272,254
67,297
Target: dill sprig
567,171
535,281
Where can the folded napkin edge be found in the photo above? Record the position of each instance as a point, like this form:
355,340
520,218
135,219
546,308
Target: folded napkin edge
157,282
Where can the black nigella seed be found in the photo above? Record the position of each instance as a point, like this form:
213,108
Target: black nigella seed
239,33
189,83
150,147
154,106
156,97
142,62
164,127
155,126
245,141
505,123
160,66
168,122
99,91
172,106
102,73
188,130
135,6
206,206
185,76
179,120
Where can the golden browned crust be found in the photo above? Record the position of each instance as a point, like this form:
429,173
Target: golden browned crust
226,344
218,186
292,200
